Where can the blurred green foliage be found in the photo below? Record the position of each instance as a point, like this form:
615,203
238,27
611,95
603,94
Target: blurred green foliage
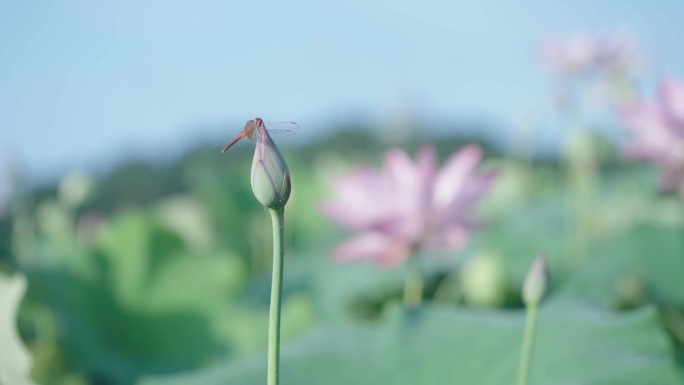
440,345
152,272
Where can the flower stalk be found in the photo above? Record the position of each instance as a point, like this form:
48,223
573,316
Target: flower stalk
277,218
271,186
528,343
413,286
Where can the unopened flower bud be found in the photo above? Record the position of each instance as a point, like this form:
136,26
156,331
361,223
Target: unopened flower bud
270,175
484,280
75,189
536,282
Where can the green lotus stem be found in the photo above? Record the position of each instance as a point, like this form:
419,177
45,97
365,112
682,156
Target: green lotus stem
277,217
413,286
528,343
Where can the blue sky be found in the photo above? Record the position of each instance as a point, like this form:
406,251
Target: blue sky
83,82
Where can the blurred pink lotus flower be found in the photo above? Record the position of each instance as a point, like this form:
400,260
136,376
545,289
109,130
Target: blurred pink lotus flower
407,206
582,54
657,133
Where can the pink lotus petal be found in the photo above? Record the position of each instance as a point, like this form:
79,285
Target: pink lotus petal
404,180
573,55
666,182
453,237
657,135
672,101
670,178
454,175
394,255
642,118
638,151
402,174
398,164
350,218
469,196
365,246
617,53
650,129
360,200
426,161
583,54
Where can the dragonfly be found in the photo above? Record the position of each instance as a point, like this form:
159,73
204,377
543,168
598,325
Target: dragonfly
254,127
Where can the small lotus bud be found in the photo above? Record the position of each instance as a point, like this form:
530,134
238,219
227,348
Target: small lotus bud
270,175
537,282
484,280
75,189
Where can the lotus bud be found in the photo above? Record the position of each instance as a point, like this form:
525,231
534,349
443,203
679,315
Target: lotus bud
484,280
536,282
270,175
75,189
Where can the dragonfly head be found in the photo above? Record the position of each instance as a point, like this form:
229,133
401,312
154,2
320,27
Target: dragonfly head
252,126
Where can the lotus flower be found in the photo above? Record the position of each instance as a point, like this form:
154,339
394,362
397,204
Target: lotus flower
407,206
582,54
657,129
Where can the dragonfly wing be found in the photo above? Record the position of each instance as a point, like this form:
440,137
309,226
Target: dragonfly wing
281,129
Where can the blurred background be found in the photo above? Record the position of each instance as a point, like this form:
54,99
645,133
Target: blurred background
132,252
